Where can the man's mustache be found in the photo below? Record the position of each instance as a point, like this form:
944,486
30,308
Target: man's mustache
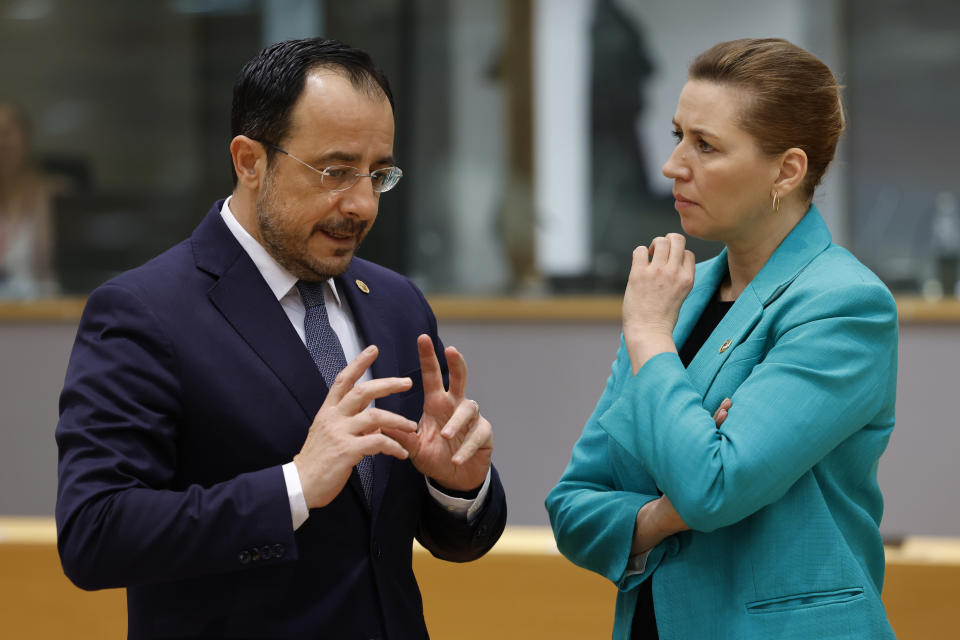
341,226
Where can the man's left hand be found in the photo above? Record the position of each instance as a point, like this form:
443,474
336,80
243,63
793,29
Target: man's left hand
453,443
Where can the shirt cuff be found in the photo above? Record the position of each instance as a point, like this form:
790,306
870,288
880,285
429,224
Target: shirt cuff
638,563
465,508
298,504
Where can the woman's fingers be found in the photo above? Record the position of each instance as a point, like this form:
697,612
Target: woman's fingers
721,413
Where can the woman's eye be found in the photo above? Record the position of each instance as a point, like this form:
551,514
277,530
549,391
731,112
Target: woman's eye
677,135
704,146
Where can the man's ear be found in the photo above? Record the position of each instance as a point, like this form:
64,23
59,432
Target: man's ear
249,161
793,169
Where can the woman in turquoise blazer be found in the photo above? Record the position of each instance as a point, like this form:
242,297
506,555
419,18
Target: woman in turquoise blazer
736,496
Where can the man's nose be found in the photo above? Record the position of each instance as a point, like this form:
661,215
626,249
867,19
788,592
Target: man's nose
360,200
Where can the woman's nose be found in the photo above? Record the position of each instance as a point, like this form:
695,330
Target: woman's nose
675,168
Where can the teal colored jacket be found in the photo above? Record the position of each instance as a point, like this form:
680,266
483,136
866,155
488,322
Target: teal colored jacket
782,500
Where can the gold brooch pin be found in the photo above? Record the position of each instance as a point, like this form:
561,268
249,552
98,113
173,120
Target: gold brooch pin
724,346
363,286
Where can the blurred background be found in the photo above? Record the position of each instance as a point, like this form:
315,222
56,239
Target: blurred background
531,134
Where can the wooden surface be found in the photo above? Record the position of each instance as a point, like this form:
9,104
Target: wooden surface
521,589
582,308
48,310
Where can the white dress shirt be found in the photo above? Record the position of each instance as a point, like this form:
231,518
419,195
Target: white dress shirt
283,285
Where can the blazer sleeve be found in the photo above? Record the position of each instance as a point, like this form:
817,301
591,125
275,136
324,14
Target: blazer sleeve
453,538
119,521
447,536
592,511
830,371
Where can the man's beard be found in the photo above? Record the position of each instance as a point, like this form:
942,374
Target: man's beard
293,252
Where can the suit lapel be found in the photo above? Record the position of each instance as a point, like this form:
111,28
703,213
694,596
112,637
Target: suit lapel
808,239
374,325
707,279
246,302
732,330
371,317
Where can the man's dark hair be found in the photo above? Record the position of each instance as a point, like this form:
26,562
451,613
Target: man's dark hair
271,83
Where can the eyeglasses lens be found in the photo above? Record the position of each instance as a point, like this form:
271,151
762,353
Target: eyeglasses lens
341,178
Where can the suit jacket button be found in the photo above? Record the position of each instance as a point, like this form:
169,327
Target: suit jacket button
278,551
255,554
266,552
244,557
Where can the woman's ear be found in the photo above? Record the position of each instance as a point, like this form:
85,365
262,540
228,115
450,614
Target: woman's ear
793,169
249,161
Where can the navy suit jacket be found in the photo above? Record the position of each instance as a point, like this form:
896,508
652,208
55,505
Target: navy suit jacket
186,391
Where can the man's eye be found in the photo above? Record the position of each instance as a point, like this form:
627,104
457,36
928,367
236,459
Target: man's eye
335,172
677,135
705,146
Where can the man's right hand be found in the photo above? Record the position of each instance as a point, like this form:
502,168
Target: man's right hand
345,429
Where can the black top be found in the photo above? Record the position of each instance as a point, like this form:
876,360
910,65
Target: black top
709,319
644,619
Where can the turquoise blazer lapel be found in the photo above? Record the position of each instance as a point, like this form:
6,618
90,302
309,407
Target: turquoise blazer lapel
807,240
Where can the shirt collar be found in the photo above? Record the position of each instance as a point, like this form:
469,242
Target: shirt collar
280,281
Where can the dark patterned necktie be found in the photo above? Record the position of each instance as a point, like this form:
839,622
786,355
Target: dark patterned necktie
327,353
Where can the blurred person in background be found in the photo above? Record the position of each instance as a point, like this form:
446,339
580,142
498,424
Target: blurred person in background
26,234
727,479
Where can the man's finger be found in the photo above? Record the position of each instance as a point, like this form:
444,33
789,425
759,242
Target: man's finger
361,395
429,365
458,373
374,443
462,419
350,374
409,441
480,438
373,419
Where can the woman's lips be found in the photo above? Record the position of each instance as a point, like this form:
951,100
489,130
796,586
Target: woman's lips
682,203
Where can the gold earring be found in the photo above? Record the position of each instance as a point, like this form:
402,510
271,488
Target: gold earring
776,202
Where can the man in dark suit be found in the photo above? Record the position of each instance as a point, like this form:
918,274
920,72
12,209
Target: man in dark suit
218,456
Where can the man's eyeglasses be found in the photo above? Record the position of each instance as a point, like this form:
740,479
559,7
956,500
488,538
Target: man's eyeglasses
340,177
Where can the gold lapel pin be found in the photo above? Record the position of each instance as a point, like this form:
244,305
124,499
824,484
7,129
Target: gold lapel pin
724,346
363,286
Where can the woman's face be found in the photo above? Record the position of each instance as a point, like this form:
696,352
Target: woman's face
723,182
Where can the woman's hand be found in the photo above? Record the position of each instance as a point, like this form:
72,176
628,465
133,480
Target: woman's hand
656,521
660,279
